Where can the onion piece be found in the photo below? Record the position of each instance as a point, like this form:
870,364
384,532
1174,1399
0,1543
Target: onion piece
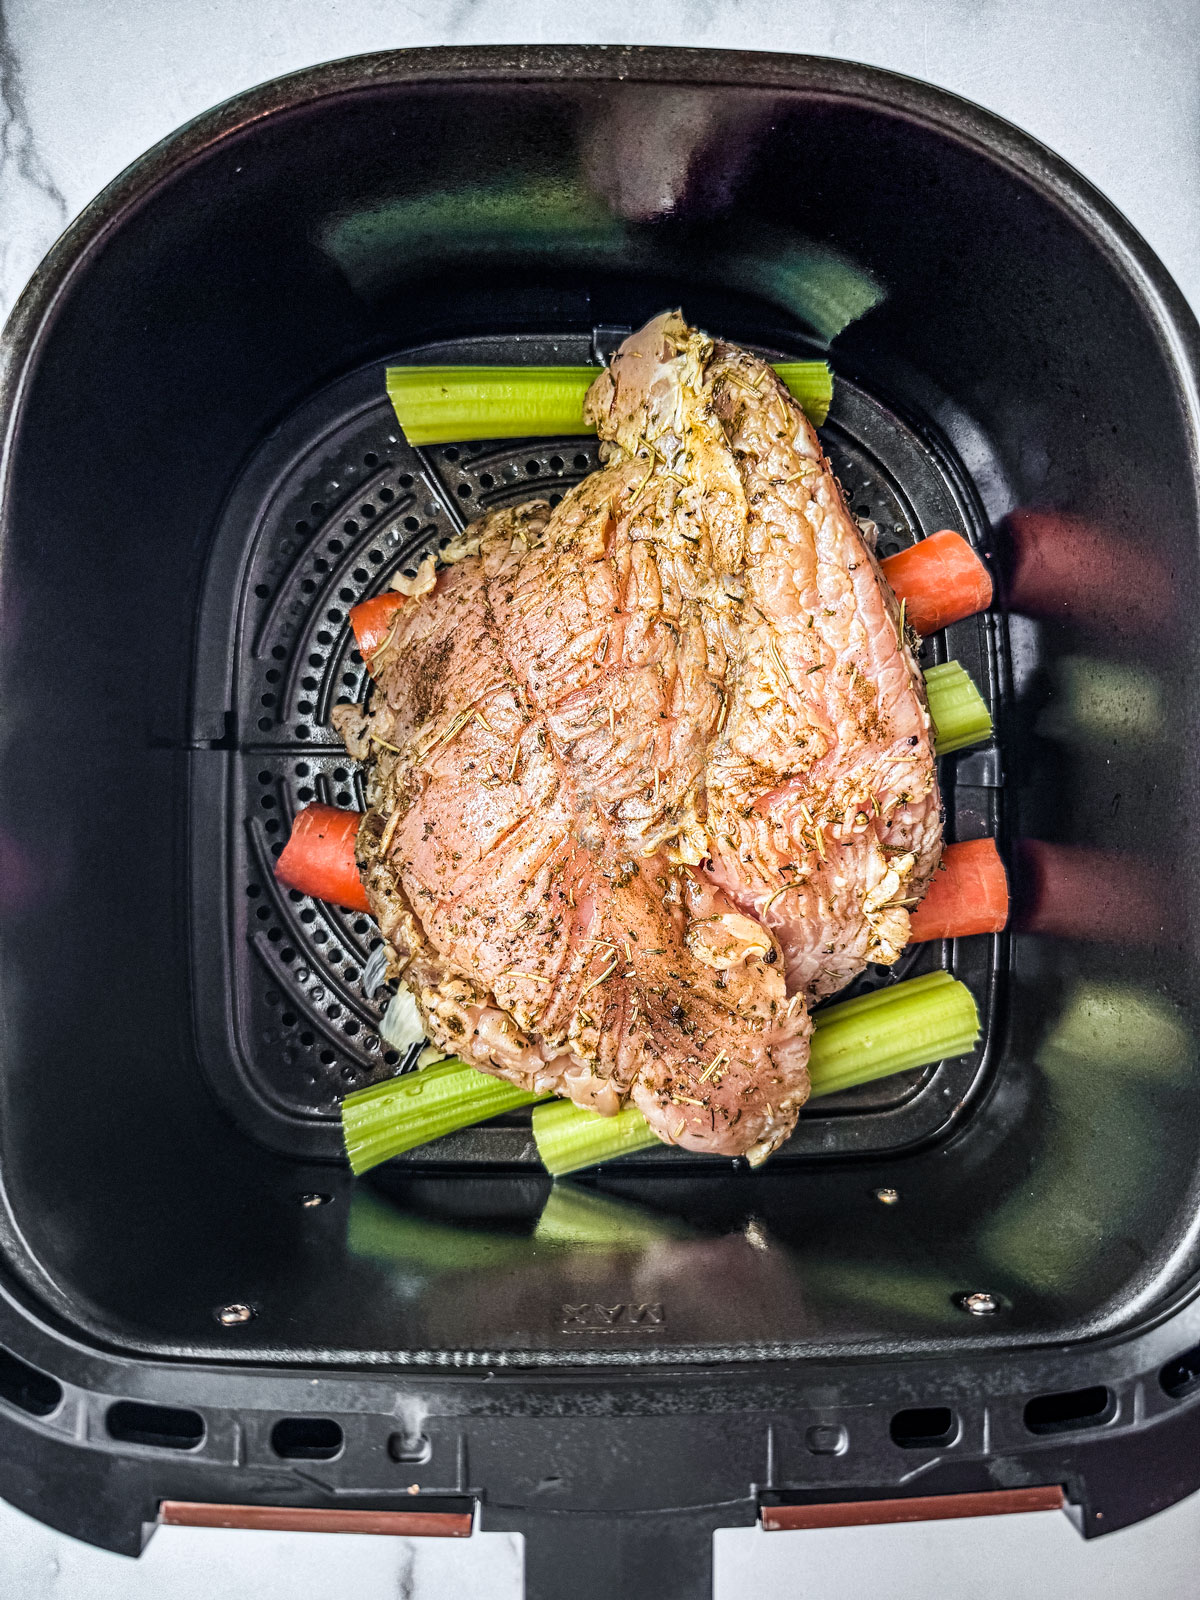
401,1025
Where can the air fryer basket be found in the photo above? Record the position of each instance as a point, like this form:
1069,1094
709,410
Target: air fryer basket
328,509
201,476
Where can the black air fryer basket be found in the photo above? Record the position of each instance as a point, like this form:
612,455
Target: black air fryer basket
975,1279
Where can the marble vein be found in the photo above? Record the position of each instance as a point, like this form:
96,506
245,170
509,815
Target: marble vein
33,209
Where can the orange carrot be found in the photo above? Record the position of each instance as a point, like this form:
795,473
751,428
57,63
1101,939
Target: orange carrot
318,859
969,894
372,621
940,579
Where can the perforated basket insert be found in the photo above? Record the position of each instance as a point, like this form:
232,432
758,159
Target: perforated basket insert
328,510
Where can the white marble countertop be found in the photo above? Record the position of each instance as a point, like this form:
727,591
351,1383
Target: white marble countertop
87,85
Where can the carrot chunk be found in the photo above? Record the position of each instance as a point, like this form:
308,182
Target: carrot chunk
318,859
373,620
969,894
940,579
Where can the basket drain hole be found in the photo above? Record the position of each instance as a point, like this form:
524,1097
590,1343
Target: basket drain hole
24,1386
1070,1409
924,1427
307,1438
164,1427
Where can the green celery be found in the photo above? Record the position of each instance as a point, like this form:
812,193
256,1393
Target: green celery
445,405
811,383
441,405
891,1030
909,1025
569,1138
960,715
397,1115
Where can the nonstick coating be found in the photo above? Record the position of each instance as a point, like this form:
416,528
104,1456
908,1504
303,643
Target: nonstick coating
209,371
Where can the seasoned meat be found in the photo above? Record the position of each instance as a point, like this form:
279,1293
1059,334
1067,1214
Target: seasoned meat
650,772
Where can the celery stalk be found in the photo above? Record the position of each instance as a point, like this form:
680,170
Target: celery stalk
912,1024
444,405
401,1113
811,383
440,405
568,1137
960,715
